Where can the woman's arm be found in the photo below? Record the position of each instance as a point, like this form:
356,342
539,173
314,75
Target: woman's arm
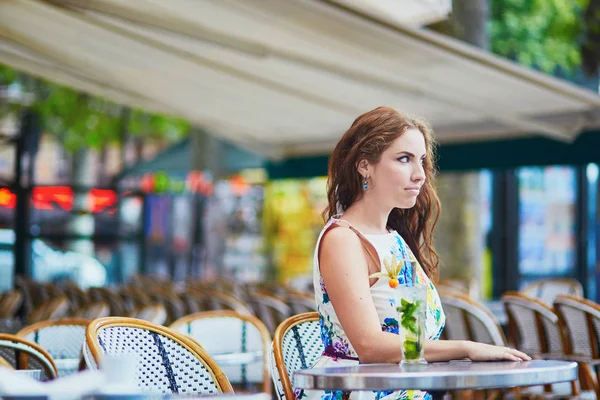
344,268
444,350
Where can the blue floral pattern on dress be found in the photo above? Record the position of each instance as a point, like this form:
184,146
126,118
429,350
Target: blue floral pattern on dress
390,325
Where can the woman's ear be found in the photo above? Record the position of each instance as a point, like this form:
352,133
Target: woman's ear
363,168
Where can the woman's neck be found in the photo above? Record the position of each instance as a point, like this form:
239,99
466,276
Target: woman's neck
366,217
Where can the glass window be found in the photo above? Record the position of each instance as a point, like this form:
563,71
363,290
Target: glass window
129,252
74,260
547,197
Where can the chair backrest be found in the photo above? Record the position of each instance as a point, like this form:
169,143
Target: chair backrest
10,303
301,303
270,309
168,362
155,313
94,310
4,363
215,300
532,325
61,338
226,332
467,319
24,354
580,319
547,289
297,344
57,307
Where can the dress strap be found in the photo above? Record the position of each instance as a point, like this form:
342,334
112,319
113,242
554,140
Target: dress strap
368,246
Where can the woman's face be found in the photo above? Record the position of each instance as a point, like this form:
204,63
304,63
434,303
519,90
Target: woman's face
397,178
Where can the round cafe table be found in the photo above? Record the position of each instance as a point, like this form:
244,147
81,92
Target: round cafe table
437,378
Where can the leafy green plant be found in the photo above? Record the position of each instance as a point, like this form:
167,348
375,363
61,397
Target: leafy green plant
545,34
82,121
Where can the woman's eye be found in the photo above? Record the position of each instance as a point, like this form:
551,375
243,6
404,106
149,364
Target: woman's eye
403,159
422,161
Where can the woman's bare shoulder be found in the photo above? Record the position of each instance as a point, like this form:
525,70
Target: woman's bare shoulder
340,237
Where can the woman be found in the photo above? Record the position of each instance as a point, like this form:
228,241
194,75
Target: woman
382,210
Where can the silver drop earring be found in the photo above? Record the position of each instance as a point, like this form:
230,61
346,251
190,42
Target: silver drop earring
365,184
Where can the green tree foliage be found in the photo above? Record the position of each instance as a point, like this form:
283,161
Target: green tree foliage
591,43
80,120
546,34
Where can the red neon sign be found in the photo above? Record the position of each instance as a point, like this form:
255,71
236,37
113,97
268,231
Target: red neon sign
48,197
7,198
101,199
43,197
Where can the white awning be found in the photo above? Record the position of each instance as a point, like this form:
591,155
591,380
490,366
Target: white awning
284,77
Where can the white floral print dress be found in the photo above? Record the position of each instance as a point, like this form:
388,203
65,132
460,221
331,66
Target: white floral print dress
338,350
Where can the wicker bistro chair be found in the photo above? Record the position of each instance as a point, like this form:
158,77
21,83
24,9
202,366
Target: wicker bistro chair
227,332
10,303
169,362
467,319
579,318
548,289
61,338
270,309
23,354
214,300
533,326
91,311
57,307
301,303
296,345
534,329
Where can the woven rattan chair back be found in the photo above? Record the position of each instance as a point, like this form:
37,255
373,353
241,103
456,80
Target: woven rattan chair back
92,311
4,363
301,303
214,300
61,338
533,325
57,307
579,319
228,332
24,354
10,303
297,344
270,309
467,319
547,289
168,362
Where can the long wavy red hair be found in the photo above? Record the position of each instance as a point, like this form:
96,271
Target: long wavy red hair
368,137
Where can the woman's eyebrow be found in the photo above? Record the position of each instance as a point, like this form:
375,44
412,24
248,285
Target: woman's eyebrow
408,153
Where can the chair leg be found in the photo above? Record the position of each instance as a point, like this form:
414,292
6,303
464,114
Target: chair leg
586,379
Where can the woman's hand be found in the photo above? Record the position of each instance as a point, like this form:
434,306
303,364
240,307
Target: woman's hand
486,352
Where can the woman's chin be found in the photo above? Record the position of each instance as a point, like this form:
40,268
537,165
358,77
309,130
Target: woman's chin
406,204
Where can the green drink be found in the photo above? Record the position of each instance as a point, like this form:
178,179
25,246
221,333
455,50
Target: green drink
411,304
